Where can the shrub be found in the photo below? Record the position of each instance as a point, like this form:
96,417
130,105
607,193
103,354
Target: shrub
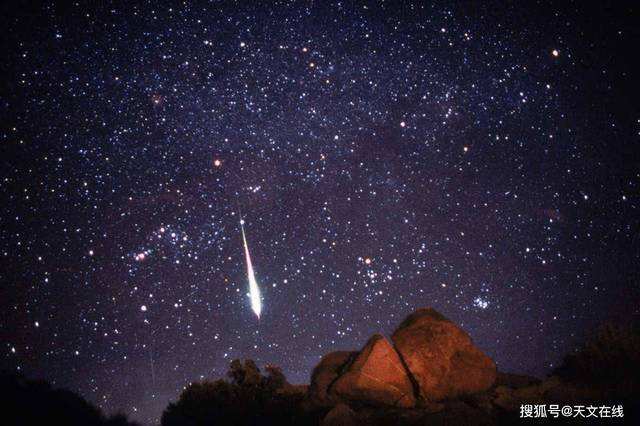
246,398
609,359
28,402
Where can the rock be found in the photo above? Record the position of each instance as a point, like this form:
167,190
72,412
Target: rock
510,399
504,398
340,415
441,357
515,381
513,390
376,376
550,383
293,390
459,413
430,407
325,373
557,390
483,401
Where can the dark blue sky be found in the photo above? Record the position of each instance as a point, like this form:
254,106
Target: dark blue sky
482,160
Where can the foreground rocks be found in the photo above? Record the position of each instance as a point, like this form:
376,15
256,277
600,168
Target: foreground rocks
441,357
375,376
428,373
431,360
341,415
431,373
325,373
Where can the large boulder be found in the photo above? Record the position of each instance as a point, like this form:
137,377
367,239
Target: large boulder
511,398
325,373
441,357
340,415
376,376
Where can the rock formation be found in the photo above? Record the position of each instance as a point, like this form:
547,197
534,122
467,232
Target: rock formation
376,376
340,415
432,374
325,373
431,360
441,357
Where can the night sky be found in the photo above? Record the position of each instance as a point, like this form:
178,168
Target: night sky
482,160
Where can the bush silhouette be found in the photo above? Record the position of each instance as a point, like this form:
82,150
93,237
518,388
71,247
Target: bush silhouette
27,402
609,359
246,398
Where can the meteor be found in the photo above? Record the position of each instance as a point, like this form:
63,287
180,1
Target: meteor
254,290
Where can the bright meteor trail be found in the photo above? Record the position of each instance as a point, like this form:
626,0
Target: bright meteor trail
254,290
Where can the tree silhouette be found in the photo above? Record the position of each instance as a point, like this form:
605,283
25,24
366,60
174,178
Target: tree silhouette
26,402
608,359
246,398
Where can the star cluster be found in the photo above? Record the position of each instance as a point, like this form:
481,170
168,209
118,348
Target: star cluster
384,156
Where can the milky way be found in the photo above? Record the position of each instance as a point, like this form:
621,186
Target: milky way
481,160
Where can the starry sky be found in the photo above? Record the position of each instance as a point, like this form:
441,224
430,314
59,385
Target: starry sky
481,159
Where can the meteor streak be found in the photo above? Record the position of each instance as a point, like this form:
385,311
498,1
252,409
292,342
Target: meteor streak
254,290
